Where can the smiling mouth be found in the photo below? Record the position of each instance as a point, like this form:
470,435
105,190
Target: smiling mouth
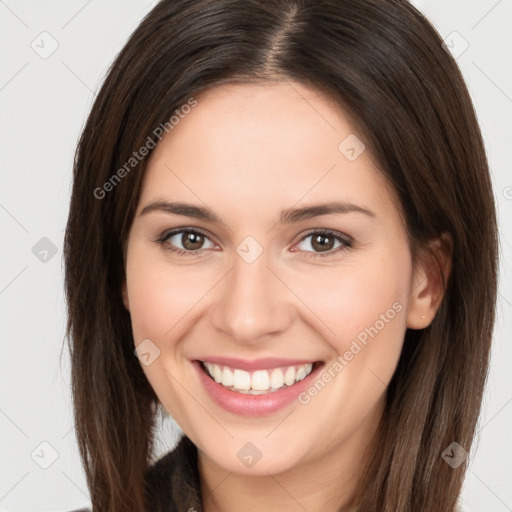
258,382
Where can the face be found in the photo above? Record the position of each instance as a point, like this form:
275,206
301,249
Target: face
302,309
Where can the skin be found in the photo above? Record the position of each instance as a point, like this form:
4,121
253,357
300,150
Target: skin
247,152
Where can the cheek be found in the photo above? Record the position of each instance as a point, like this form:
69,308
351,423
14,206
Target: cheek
160,297
361,309
349,300
364,309
161,301
368,307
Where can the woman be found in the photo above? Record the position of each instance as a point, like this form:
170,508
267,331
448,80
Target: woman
282,232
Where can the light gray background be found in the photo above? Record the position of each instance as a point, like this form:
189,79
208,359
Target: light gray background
44,103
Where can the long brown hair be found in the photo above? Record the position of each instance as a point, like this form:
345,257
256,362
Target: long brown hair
384,64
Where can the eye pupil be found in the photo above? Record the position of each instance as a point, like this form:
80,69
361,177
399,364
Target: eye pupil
320,240
192,241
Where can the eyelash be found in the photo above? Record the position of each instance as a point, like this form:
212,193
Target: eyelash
345,241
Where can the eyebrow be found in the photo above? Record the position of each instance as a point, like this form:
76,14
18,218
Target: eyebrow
288,216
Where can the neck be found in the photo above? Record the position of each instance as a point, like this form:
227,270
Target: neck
325,482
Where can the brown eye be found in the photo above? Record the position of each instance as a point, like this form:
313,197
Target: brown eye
324,243
191,240
184,241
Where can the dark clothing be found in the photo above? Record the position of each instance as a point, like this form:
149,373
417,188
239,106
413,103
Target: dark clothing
173,481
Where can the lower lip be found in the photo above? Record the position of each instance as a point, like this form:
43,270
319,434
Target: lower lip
253,405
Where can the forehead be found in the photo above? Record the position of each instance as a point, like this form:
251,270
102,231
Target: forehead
265,144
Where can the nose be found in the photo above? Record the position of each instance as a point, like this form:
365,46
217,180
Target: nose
252,303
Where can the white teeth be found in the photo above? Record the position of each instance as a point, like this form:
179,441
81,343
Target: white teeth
276,378
260,381
241,379
217,373
289,376
227,377
301,373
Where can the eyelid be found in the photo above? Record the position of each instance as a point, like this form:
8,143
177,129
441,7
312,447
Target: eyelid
345,240
172,232
326,231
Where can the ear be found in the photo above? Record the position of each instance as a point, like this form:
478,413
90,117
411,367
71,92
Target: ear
124,293
427,287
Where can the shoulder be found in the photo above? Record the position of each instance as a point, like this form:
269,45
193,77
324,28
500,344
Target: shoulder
181,461
173,480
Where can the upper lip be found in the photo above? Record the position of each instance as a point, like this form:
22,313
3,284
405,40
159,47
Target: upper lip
265,363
